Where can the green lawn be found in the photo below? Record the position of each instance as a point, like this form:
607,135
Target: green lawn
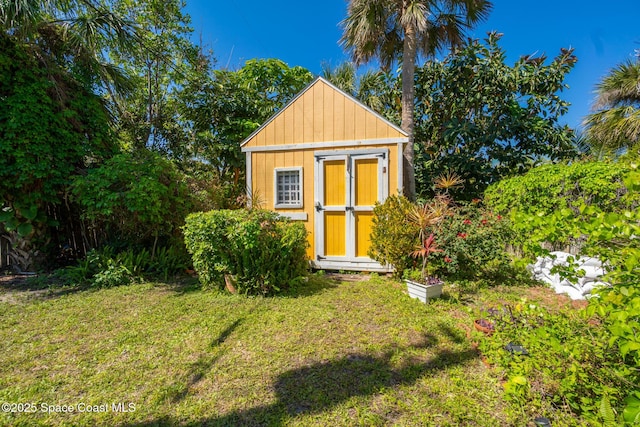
342,353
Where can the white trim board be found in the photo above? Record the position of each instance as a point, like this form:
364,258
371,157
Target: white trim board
326,144
350,265
356,152
400,169
294,216
249,178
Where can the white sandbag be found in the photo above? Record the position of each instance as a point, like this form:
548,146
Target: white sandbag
593,268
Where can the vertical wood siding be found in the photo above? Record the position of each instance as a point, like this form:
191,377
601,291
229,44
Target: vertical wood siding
366,182
322,114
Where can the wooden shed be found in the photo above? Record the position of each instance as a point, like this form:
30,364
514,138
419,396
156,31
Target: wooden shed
325,159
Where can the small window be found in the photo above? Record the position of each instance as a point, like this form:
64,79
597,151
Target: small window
288,187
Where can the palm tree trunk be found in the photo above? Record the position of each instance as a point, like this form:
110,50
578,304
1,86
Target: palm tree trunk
408,103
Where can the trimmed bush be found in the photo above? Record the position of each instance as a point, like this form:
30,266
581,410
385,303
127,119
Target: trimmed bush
393,237
262,252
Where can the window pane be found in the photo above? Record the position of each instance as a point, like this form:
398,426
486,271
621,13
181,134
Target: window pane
288,187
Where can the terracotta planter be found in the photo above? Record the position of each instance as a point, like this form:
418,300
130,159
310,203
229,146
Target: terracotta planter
483,325
423,292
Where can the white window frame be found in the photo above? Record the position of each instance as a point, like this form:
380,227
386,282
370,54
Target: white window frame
275,188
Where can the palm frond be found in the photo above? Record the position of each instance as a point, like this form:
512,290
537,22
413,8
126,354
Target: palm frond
615,124
620,87
416,15
365,28
616,127
22,15
343,76
448,181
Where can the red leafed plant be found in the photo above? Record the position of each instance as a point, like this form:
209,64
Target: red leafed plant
428,247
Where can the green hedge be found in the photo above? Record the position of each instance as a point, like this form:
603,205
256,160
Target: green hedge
562,192
551,187
263,252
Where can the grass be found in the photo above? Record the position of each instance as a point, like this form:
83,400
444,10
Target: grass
341,353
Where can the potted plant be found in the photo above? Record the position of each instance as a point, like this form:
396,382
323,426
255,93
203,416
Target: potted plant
420,284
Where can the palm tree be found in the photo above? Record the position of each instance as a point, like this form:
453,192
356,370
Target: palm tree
343,76
615,124
72,35
392,30
376,89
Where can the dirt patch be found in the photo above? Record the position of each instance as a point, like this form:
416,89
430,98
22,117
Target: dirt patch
17,288
346,277
13,281
551,300
11,288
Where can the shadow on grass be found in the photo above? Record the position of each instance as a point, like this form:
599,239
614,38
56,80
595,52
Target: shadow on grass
37,287
456,335
184,285
197,371
321,386
48,286
315,284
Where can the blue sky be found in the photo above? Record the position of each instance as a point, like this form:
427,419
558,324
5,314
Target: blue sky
300,33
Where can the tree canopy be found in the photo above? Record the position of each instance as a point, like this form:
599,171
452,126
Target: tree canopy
51,126
485,120
89,88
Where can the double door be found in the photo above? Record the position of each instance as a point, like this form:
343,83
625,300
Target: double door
347,187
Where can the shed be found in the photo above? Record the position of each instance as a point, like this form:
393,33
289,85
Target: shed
326,159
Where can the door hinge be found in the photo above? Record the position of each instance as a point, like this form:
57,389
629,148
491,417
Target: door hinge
319,207
320,258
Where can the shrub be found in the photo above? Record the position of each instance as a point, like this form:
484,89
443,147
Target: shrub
393,237
473,240
107,268
570,365
563,192
263,252
613,237
112,274
141,197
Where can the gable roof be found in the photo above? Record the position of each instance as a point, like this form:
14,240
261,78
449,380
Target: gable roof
344,129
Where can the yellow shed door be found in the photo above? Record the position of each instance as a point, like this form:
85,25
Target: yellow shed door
335,207
347,188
